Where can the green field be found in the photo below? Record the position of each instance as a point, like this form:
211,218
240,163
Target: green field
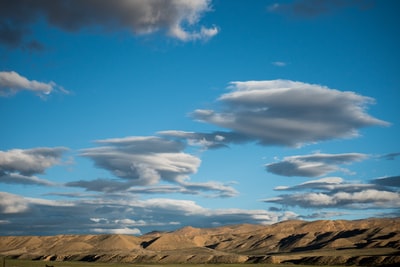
29,263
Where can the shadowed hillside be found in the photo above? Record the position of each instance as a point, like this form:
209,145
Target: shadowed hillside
362,242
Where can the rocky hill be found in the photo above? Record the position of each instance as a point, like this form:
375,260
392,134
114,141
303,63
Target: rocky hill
362,242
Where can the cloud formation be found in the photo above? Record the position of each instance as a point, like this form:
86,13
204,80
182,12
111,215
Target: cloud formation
16,178
143,162
10,203
313,165
365,199
115,186
105,214
289,113
333,184
214,140
279,63
334,192
177,18
30,161
19,166
313,8
11,83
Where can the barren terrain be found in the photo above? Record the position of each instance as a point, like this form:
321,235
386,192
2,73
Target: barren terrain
362,242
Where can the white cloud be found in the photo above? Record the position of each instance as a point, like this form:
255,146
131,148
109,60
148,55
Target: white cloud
221,190
195,139
49,202
123,223
120,231
187,207
30,161
314,165
284,112
335,192
12,83
203,34
10,203
213,140
370,198
323,215
131,222
99,220
16,178
279,63
330,184
144,160
143,144
327,182
19,166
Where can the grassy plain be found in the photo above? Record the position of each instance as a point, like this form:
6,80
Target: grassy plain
30,263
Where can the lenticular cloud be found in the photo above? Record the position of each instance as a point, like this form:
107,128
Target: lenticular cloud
144,160
289,113
11,83
313,165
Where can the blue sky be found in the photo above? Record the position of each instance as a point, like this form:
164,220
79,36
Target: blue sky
131,116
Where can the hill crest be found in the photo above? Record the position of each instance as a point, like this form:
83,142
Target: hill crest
369,240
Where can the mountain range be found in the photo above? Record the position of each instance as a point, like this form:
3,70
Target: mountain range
340,242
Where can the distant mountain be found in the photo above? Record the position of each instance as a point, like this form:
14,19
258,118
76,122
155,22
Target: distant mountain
362,242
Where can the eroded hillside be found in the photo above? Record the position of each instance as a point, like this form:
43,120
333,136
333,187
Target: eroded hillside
363,242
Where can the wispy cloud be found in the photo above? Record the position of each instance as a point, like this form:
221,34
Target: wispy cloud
220,189
178,19
279,63
390,156
284,112
313,8
314,165
324,215
333,184
11,83
214,140
16,178
19,166
116,186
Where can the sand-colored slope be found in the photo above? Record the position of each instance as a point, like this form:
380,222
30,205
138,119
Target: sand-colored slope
374,241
